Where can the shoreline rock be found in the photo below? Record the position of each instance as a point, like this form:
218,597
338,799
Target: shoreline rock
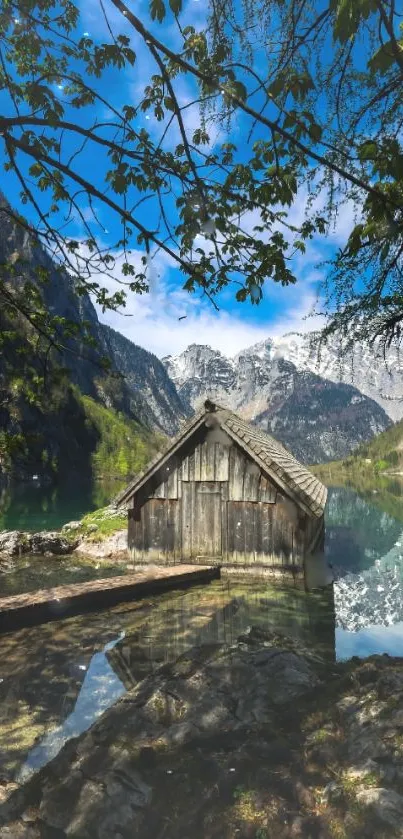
79,536
258,739
17,543
114,545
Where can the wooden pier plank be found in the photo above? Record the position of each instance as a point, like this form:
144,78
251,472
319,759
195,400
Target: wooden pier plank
44,605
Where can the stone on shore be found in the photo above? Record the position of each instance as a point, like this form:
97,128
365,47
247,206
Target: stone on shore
259,739
88,536
53,542
96,787
114,545
14,543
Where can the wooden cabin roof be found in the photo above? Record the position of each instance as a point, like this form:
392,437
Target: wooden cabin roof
278,463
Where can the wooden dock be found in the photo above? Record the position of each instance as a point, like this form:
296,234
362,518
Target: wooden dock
55,603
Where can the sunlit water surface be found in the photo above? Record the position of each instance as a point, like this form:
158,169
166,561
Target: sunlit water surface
56,679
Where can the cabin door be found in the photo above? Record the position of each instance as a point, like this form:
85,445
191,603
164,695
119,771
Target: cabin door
201,520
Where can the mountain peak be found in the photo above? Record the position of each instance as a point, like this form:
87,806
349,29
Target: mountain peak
363,367
279,384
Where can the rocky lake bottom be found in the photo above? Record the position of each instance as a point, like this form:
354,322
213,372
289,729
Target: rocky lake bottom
207,712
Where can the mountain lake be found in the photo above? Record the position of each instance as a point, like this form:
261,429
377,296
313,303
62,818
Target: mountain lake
57,678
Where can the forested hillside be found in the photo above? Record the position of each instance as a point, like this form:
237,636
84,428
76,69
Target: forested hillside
381,455
76,409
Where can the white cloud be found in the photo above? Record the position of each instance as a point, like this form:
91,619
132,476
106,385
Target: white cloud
348,216
152,320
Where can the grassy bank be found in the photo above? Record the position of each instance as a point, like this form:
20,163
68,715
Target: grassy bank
101,524
380,489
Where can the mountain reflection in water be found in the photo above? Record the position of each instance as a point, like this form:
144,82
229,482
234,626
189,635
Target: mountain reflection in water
101,688
364,544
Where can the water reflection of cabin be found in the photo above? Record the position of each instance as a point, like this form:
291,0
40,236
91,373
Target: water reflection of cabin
219,615
224,492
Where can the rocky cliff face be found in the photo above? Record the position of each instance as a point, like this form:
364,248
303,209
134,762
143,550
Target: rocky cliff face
364,367
17,246
152,395
146,392
316,418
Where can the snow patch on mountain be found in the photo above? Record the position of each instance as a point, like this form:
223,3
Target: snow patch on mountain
364,367
317,418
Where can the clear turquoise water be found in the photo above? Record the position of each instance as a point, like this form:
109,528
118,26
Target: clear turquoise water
34,507
56,679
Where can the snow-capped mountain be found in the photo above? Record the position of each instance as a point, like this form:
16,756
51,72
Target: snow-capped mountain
274,384
365,367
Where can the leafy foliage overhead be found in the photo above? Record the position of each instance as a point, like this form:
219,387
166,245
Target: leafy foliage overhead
304,94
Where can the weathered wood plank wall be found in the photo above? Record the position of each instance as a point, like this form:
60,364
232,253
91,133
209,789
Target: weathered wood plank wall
214,503
201,519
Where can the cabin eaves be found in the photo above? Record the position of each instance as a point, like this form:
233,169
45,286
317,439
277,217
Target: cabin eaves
279,464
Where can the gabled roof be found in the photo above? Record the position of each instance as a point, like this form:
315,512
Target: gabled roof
290,475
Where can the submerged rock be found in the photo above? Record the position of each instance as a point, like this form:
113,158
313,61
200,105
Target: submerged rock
96,787
256,739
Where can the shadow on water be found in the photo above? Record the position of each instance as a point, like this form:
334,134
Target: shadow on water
237,775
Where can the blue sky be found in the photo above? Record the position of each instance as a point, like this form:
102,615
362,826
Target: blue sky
152,320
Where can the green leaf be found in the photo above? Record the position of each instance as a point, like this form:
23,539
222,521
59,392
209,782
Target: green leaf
277,86
315,132
398,166
119,183
157,10
239,90
383,59
176,6
385,251
368,150
346,20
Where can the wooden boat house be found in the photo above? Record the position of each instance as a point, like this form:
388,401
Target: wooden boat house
224,492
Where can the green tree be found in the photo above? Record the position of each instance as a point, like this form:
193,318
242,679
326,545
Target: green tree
318,99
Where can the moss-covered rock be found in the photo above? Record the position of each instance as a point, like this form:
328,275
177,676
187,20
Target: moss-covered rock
100,524
16,543
101,533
